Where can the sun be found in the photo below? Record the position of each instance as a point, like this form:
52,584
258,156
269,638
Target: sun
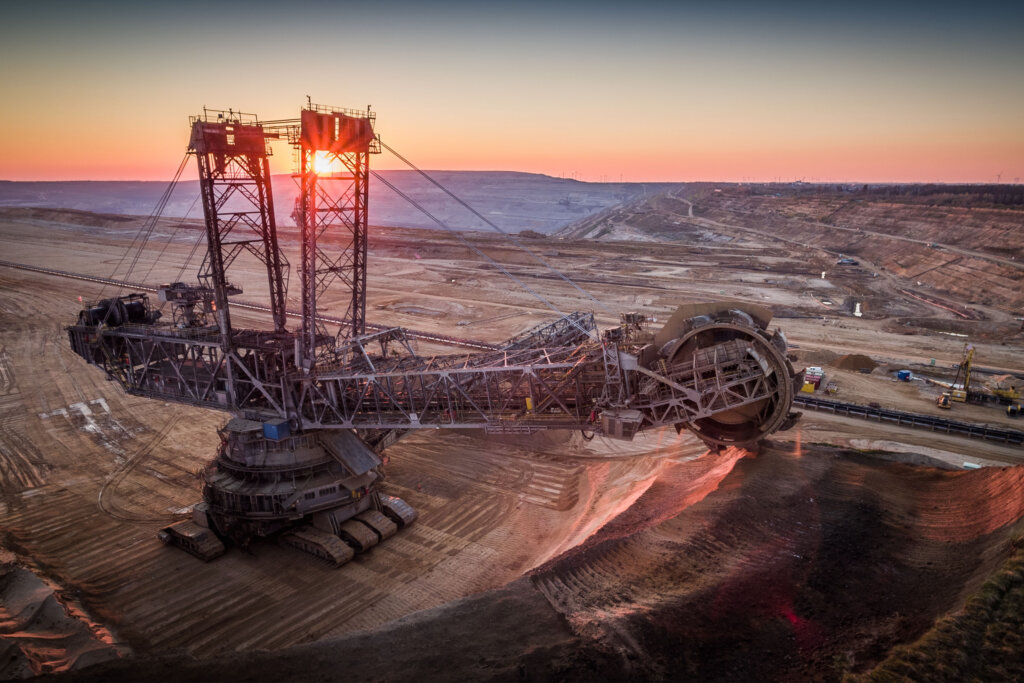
324,163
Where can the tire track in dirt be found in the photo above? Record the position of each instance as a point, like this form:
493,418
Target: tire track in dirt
548,483
22,465
106,500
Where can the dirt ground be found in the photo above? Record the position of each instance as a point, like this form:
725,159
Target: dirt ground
795,564
647,558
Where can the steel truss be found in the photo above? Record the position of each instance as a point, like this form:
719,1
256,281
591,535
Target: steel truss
334,147
559,375
528,389
564,331
234,181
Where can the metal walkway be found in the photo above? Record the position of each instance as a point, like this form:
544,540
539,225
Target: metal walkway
916,420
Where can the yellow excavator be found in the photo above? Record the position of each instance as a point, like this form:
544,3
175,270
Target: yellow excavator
1006,388
959,389
1003,388
960,395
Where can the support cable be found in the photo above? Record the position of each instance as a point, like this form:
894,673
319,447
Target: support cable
174,233
467,243
154,217
493,226
191,255
146,228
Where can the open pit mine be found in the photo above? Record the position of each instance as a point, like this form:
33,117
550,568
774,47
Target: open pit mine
409,470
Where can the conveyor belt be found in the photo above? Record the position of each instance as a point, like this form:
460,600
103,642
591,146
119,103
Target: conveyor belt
930,422
416,334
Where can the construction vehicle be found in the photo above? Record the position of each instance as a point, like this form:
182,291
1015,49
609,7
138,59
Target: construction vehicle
313,410
1006,388
1001,388
960,389
194,536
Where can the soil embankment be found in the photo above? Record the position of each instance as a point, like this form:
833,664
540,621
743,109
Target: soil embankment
797,563
40,632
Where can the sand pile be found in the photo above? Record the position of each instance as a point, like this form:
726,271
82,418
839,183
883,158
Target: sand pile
856,362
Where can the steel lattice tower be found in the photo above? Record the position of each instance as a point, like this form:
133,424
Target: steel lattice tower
234,181
334,147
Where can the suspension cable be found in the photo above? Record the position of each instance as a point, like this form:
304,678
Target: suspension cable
154,218
191,255
146,228
493,226
174,233
465,242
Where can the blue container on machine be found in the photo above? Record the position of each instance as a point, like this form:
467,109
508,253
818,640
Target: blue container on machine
276,430
903,375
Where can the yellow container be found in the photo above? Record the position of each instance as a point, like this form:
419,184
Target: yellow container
808,387
529,403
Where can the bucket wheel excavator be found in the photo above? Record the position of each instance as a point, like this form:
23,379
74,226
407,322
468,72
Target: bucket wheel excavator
312,409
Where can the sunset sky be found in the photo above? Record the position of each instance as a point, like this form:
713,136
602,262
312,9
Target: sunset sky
635,91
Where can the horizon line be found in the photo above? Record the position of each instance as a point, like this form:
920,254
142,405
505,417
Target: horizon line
588,182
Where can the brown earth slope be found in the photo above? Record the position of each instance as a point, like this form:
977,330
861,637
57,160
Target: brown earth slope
797,563
974,253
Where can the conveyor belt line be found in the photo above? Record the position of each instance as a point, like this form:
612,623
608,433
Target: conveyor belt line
916,420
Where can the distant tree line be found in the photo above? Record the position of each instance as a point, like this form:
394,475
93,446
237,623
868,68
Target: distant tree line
932,194
951,195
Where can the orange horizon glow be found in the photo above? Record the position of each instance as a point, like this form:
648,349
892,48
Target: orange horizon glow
152,155
650,92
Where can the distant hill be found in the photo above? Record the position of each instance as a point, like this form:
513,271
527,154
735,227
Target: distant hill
513,201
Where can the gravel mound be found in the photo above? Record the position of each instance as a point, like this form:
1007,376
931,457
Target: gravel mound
856,362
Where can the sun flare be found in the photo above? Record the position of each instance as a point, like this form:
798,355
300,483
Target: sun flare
325,163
